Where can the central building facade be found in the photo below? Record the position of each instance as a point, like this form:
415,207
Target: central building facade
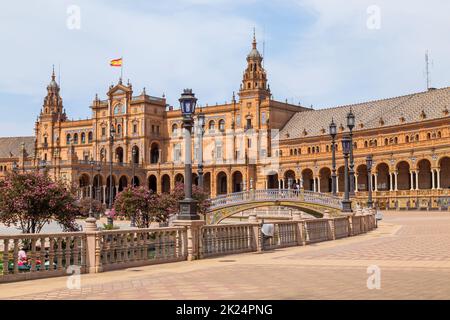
251,142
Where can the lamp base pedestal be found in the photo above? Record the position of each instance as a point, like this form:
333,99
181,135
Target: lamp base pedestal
346,206
188,210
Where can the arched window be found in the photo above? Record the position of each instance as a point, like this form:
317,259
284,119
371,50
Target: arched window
295,152
119,129
300,151
75,138
309,149
212,125
174,129
68,139
407,139
428,136
417,137
366,144
439,135
317,149
222,125
386,141
328,148
90,137
83,137
395,140
291,152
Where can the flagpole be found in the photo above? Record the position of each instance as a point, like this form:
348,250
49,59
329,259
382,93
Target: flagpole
121,69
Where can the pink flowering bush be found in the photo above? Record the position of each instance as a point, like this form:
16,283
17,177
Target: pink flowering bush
31,200
135,203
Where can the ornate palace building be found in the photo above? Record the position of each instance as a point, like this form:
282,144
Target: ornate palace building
251,142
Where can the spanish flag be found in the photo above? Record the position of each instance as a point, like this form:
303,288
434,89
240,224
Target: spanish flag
116,62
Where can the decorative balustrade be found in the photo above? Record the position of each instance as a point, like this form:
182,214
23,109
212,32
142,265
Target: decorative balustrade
96,251
47,255
226,239
129,248
274,195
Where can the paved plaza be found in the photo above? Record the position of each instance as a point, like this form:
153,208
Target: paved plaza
412,250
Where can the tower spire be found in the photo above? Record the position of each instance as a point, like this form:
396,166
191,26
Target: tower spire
53,72
254,39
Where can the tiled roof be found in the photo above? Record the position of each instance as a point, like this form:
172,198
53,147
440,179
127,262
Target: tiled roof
11,146
432,104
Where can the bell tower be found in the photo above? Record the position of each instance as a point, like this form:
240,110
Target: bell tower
52,108
254,82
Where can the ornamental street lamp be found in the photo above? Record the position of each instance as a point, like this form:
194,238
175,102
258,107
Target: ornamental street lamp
346,203
112,131
133,153
333,133
14,167
201,131
188,206
43,166
351,125
369,163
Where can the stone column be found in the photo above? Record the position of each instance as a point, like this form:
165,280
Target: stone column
337,183
417,179
432,180
376,181
356,182
318,184
396,181
411,174
391,177
314,185
438,178
104,194
93,254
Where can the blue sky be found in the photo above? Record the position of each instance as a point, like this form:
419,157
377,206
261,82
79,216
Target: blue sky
318,52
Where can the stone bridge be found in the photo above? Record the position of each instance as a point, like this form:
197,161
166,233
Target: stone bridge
314,203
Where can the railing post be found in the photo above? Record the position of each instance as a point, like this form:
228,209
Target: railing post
193,230
93,249
257,239
331,229
300,229
350,225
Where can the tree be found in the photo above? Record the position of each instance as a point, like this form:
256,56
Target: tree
31,200
134,203
84,206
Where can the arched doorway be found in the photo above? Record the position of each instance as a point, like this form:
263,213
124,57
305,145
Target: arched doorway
221,183
272,181
123,182
119,155
152,183
425,178
404,180
383,177
362,182
308,179
108,191
289,179
325,180
135,154
165,183
444,165
237,181
154,153
84,185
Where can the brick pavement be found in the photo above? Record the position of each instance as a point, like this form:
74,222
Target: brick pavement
411,249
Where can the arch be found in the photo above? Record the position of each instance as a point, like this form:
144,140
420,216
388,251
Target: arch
194,179
383,177
325,179
75,138
154,153
403,177
221,125
424,171
212,125
175,129
68,138
289,179
135,181
90,137
207,182
135,157
119,154
272,181
123,182
179,178
165,183
237,181
308,179
98,184
84,183
222,183
444,175
362,181
153,183
83,137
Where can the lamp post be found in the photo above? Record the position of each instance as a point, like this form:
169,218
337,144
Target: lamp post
201,130
133,156
346,203
91,213
188,206
112,131
333,133
369,163
351,125
14,167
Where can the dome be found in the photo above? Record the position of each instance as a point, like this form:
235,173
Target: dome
254,54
